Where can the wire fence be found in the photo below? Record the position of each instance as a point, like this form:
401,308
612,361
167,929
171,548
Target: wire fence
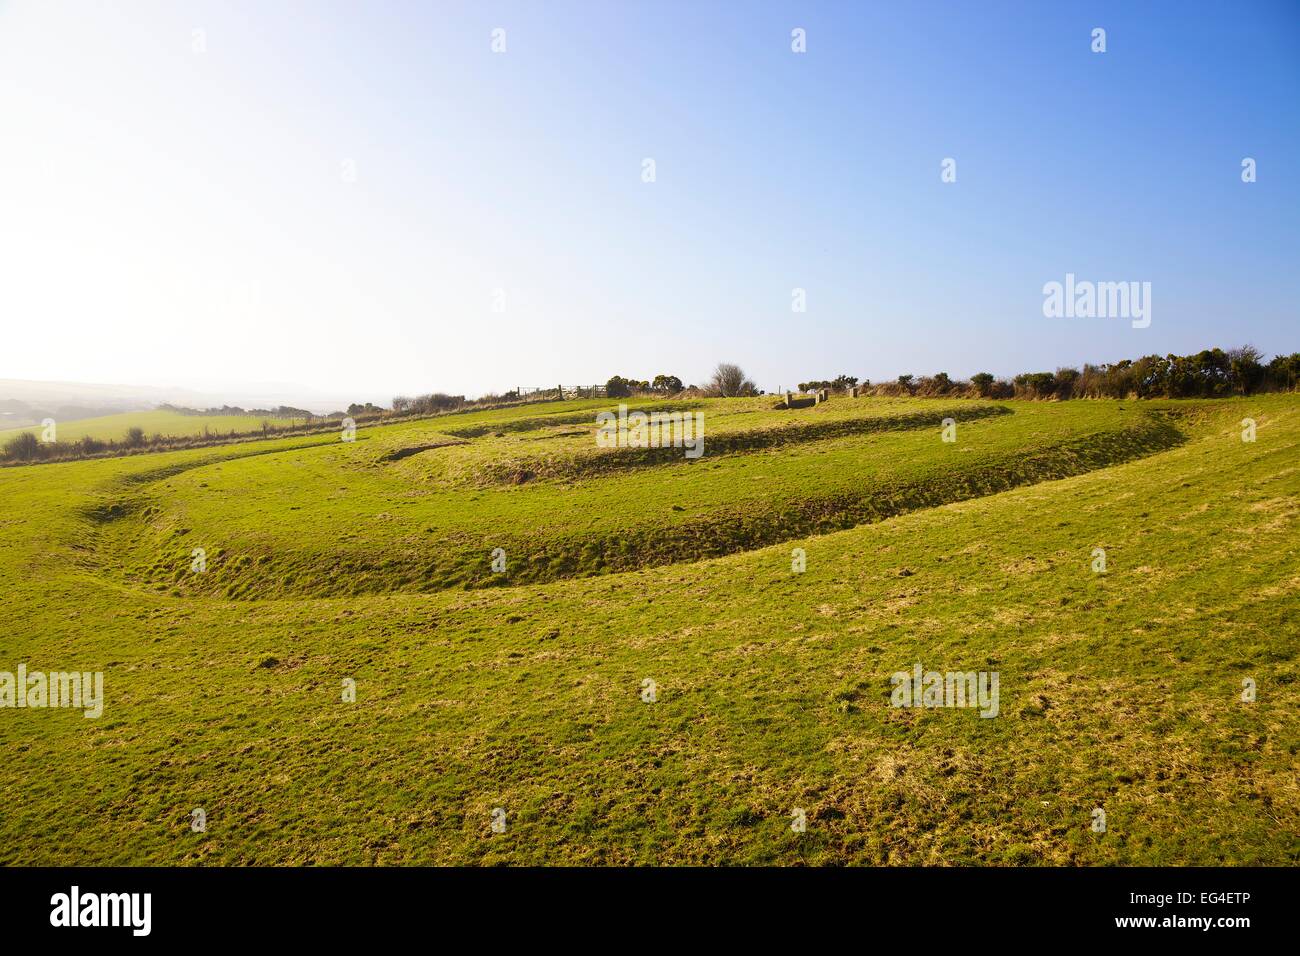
559,392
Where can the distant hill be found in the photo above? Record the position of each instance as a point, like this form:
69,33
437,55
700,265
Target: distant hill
155,421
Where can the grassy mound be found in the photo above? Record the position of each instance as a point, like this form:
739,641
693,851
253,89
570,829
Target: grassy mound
344,526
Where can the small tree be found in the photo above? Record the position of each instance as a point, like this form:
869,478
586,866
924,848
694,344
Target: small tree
1035,384
1065,383
729,381
618,387
983,383
23,447
1284,371
1246,368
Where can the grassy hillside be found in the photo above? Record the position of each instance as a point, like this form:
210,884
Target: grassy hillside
157,422
370,561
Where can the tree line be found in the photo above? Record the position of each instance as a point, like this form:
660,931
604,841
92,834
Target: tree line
727,381
1210,373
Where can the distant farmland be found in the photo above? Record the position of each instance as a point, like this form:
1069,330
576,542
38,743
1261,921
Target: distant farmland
169,423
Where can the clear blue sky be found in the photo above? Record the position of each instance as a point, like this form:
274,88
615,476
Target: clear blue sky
180,218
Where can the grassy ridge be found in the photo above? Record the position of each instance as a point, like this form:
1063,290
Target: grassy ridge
345,525
586,464
1119,690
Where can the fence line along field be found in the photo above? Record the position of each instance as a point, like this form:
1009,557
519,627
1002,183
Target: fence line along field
156,422
433,644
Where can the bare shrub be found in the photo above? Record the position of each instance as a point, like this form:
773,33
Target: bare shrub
729,381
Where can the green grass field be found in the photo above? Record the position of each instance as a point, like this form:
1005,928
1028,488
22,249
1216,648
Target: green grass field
157,422
370,561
